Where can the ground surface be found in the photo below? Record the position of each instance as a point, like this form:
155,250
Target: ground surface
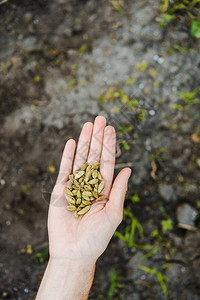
57,58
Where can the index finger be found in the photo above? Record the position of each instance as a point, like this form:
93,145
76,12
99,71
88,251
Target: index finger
66,161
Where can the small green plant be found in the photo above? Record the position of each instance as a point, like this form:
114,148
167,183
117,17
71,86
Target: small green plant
118,5
130,81
126,146
130,230
114,284
135,198
182,9
82,49
180,49
142,115
177,106
26,188
37,78
189,98
161,278
4,67
124,130
156,83
141,66
167,225
42,256
73,82
195,29
132,104
165,19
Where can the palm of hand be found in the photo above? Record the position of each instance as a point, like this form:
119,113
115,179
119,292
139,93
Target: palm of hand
87,237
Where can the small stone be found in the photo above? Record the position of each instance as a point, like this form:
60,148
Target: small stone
31,44
152,112
2,182
166,192
174,273
186,216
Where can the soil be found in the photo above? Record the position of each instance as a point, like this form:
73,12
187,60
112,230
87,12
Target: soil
57,58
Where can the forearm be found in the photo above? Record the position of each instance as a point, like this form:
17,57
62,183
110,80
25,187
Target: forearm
66,280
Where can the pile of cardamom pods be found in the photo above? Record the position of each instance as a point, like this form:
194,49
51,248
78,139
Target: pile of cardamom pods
85,188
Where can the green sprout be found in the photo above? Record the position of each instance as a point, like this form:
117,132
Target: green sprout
189,97
128,236
161,278
135,198
82,49
114,285
126,146
41,256
167,225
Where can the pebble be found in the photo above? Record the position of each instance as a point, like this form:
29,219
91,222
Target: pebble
2,182
159,59
152,112
166,192
186,216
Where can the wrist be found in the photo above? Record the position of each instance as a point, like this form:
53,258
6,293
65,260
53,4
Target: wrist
75,265
66,279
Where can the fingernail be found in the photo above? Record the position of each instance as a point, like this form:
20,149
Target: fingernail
130,171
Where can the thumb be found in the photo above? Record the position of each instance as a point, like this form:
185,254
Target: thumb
117,195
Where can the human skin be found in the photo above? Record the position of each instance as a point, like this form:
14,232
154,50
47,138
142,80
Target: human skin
76,244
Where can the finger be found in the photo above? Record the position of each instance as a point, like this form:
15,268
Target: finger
117,195
66,162
108,157
83,146
97,139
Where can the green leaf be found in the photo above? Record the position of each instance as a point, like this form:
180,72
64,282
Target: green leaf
167,225
177,106
102,99
135,198
168,17
195,29
126,146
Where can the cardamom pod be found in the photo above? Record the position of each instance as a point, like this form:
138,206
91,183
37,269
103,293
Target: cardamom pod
71,207
101,198
99,175
84,166
93,181
84,210
70,199
101,186
78,201
79,174
102,191
94,173
88,174
79,194
76,214
88,187
68,192
86,193
74,192
96,165
85,197
71,178
85,202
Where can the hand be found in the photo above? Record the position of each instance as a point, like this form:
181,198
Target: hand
86,238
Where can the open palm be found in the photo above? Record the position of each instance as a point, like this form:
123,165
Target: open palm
87,237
